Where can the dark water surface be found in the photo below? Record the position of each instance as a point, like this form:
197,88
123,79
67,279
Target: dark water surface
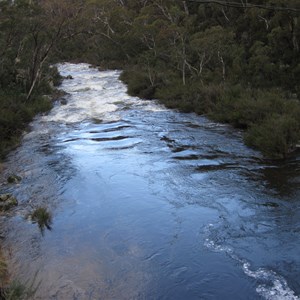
149,203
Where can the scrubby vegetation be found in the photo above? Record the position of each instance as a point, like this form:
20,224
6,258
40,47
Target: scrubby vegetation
15,113
7,201
27,38
236,61
15,290
19,291
42,217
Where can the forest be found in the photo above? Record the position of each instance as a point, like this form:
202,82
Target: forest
234,61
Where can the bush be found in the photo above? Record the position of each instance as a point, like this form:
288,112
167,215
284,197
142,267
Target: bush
42,217
192,97
276,136
15,114
19,291
138,84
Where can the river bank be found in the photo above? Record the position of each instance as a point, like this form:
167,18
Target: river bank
15,118
268,117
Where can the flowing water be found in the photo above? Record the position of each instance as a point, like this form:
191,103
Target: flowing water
148,203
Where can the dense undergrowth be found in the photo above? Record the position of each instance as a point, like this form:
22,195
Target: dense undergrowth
27,79
269,117
237,63
16,112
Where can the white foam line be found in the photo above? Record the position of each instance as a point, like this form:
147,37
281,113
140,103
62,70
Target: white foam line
279,288
275,287
93,94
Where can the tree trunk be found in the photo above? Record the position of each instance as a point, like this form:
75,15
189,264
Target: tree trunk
33,84
223,65
295,40
186,9
183,72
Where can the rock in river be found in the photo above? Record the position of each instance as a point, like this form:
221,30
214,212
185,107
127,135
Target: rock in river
7,201
14,179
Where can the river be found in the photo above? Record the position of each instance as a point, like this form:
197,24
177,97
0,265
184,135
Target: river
148,203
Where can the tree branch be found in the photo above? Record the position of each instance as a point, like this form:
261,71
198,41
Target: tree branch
245,5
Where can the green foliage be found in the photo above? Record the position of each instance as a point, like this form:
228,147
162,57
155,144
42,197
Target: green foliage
138,83
20,291
15,113
192,97
275,136
7,201
272,121
15,291
3,269
42,217
239,66
29,33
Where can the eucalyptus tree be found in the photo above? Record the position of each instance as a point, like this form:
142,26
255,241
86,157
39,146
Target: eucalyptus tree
49,22
30,32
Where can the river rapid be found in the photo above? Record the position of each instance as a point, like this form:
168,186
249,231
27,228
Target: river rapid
148,203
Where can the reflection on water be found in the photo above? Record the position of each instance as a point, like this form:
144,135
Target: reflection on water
283,178
148,203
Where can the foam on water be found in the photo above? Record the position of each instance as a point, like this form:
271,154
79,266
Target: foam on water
276,287
87,96
271,286
94,95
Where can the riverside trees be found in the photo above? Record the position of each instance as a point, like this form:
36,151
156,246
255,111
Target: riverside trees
29,32
237,61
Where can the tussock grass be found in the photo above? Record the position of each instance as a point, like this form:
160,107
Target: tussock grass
42,217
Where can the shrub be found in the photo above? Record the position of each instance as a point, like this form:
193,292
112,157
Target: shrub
42,217
15,114
138,84
276,136
19,291
244,108
192,97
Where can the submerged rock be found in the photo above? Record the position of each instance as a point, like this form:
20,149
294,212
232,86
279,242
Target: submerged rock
14,179
63,101
7,201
